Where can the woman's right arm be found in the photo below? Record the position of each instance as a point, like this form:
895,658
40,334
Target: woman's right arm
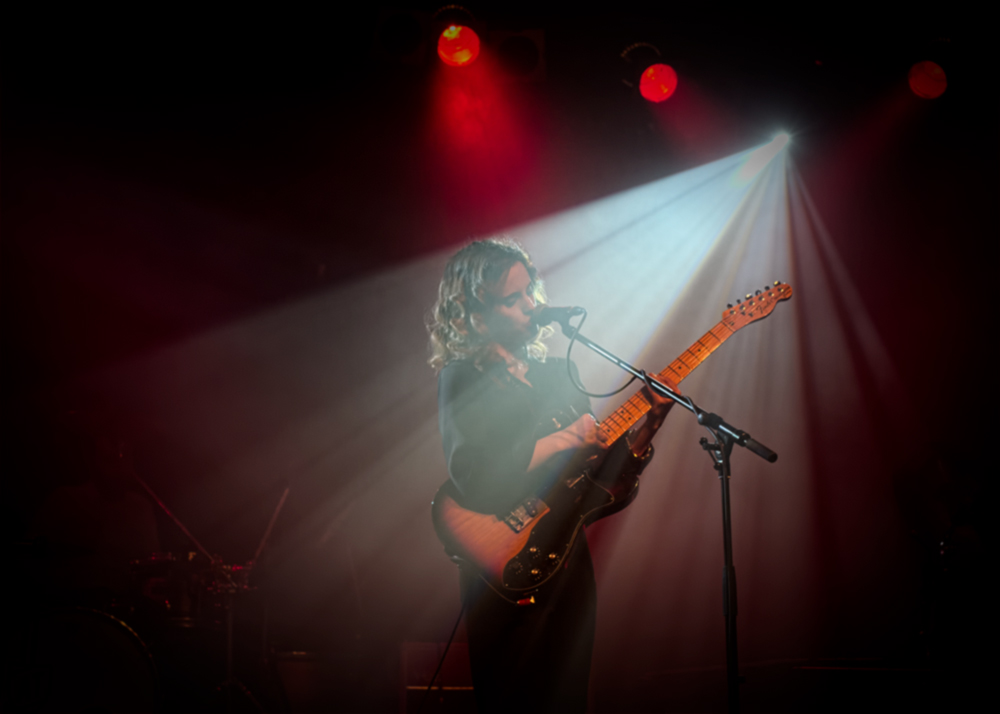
489,447
583,434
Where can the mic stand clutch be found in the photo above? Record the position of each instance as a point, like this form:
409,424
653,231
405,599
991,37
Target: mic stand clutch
726,436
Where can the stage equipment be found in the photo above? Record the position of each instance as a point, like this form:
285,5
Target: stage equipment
655,80
927,80
457,39
403,37
458,45
658,82
222,583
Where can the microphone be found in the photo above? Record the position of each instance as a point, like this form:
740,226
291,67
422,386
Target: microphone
545,314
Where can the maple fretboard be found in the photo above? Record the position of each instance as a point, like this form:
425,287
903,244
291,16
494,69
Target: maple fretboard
756,307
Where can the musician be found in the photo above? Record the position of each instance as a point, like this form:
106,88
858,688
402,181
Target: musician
510,421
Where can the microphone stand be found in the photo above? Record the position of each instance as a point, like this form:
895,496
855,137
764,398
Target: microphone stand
725,437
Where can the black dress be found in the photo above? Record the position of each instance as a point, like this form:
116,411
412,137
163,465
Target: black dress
534,657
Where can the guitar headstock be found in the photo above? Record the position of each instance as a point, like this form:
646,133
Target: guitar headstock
756,305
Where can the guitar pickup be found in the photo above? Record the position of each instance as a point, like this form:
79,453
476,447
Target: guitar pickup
522,515
516,524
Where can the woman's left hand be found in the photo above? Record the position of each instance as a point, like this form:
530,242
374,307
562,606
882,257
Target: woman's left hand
659,405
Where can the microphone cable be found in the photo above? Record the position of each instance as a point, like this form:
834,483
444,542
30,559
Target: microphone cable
573,380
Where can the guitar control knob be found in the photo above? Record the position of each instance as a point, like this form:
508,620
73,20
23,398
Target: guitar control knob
516,568
532,550
553,556
536,573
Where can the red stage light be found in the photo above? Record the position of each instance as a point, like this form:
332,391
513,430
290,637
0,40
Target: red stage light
458,46
927,80
658,82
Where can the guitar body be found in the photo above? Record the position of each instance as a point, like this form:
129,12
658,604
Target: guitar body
521,552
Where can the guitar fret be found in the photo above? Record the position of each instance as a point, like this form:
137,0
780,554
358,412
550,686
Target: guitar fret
723,329
636,406
705,346
694,361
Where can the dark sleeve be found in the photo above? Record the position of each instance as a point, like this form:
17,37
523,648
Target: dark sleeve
580,400
487,435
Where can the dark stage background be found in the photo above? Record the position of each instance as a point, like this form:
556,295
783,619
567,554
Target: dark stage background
218,228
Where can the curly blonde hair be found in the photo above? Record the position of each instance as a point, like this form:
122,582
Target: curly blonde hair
463,291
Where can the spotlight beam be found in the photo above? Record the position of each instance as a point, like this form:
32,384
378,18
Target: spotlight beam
761,157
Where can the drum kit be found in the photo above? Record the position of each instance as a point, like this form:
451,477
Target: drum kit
166,645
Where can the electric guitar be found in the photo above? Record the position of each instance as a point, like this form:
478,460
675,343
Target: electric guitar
521,551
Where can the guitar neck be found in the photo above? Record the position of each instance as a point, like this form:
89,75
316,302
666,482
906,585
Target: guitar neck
626,416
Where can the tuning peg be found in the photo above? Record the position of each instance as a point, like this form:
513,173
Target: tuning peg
777,282
757,293
729,305
748,296
738,301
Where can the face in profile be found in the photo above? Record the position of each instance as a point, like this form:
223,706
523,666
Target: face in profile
508,322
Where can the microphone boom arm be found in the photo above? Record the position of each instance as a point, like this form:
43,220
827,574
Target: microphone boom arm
707,419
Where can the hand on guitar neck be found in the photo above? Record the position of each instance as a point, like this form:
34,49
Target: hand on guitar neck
659,407
586,435
582,435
